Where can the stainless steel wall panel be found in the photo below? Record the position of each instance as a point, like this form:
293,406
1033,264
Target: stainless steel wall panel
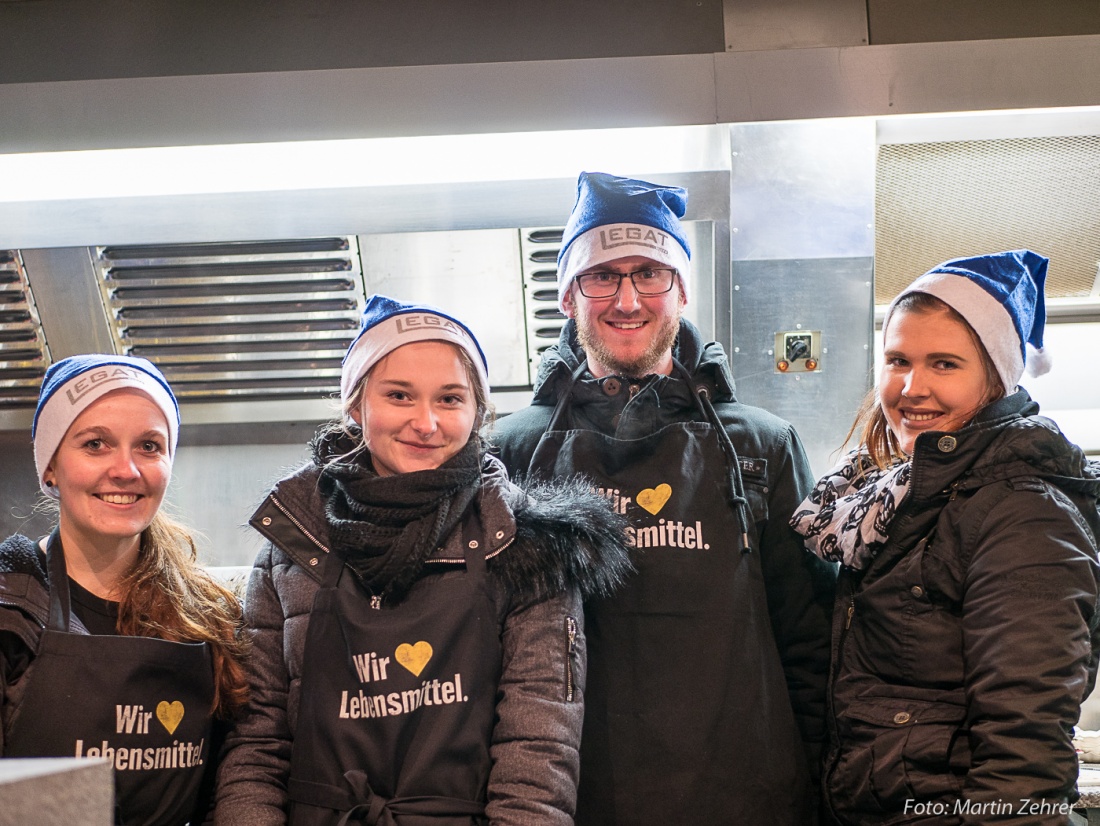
753,25
474,275
965,76
830,295
914,21
358,103
802,189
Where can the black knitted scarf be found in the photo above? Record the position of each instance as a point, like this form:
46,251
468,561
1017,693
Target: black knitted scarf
387,526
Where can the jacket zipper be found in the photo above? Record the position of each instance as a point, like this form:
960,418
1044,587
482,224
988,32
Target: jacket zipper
298,524
570,653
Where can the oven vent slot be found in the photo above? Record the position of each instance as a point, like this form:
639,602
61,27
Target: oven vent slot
237,321
24,356
539,249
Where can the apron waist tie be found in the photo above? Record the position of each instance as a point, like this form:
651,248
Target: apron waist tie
361,805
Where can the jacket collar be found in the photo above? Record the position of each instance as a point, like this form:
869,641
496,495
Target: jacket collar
292,517
1005,440
707,363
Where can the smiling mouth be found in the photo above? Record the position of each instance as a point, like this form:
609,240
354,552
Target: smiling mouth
119,498
920,417
626,325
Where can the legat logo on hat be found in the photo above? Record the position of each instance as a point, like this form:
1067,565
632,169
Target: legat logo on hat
78,388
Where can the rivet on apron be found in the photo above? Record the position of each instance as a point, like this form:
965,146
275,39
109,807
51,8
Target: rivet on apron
500,534
901,718
266,520
916,591
473,544
313,561
946,444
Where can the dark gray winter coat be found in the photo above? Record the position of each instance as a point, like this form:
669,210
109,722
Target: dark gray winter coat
544,548
963,651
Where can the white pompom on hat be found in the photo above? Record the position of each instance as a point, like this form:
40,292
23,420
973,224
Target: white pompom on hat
388,324
72,384
1001,296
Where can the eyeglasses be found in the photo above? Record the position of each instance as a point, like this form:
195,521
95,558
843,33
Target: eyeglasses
605,283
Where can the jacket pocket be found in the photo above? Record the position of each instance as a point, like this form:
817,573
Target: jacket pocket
898,749
754,476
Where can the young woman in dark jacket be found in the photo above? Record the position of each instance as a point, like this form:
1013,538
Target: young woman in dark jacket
416,618
114,643
966,524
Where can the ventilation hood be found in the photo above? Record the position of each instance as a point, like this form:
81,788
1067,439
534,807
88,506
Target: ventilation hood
253,331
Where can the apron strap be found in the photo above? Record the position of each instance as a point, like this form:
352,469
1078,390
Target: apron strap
60,604
738,500
332,566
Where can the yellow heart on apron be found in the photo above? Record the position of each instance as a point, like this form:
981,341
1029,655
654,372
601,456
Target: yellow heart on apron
170,714
414,657
653,499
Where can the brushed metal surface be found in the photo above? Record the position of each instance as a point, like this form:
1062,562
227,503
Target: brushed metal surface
474,275
830,295
802,189
753,25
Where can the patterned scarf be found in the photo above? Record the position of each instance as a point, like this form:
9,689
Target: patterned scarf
387,526
847,514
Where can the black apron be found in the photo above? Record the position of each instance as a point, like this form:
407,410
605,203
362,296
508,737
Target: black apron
142,703
398,702
687,715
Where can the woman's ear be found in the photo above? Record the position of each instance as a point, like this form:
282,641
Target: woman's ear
356,415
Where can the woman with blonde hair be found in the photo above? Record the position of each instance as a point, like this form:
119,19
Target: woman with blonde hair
418,632
965,632
114,643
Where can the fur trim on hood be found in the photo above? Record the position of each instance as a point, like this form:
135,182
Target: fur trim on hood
566,535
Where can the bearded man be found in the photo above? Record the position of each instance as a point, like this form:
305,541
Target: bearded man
705,692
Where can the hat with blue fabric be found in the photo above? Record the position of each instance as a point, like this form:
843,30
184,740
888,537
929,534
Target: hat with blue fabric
619,217
72,384
1001,297
388,324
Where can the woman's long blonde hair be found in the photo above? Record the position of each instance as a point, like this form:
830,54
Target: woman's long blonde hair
169,596
876,438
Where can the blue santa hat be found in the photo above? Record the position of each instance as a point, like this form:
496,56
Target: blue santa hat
72,384
388,324
618,217
1001,297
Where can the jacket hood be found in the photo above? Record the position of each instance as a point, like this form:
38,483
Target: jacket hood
706,362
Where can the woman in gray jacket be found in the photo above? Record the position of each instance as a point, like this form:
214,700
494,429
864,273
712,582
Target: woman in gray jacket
966,623
417,626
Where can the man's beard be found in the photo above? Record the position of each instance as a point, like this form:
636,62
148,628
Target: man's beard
645,363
